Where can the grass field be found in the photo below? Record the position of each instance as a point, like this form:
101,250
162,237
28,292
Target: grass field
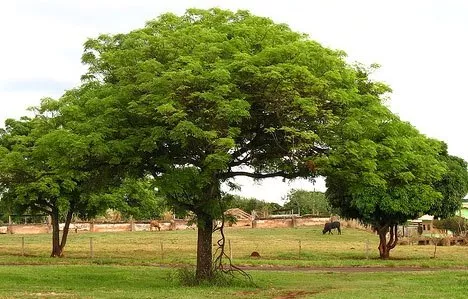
300,247
126,265
81,281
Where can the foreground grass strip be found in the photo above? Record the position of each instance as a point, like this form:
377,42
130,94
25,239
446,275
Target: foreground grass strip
93,281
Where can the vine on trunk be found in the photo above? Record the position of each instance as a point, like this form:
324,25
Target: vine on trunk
222,263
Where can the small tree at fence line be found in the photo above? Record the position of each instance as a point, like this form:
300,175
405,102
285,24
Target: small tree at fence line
193,101
45,168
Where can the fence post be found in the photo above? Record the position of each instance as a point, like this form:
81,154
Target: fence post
132,225
300,248
91,249
367,249
162,251
22,246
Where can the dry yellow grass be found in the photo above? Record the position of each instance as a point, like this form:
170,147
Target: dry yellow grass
284,247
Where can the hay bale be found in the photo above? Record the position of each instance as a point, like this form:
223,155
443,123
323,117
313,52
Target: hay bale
447,241
404,241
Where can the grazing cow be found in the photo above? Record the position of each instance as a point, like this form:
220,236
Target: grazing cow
155,223
331,225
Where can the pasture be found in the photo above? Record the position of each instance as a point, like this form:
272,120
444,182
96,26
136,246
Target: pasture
127,265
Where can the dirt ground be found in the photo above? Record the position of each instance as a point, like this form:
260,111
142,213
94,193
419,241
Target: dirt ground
348,269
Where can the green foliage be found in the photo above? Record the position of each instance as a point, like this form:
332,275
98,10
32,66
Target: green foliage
193,101
456,224
453,186
384,175
190,99
137,199
307,202
46,168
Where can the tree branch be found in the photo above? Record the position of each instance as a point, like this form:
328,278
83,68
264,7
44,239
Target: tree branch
42,209
239,162
257,175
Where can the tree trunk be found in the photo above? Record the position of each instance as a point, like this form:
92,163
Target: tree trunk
384,246
66,229
204,248
56,250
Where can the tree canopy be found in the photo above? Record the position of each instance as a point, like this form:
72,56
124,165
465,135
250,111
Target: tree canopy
198,99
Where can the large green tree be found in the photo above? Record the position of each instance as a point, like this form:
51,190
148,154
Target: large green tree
196,100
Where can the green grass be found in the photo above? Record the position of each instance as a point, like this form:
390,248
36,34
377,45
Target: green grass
92,281
126,265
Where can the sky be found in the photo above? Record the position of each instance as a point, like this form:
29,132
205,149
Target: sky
422,47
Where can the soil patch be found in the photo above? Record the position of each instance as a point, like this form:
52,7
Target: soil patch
347,269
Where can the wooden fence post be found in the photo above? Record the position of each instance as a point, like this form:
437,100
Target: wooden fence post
367,249
91,249
162,251
22,246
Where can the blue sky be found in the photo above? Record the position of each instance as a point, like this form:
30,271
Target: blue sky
422,47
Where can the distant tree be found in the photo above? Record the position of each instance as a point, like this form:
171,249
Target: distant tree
251,204
307,202
456,224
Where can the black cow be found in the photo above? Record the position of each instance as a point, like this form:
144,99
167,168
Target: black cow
331,225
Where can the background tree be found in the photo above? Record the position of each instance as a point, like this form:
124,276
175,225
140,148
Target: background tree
45,168
456,224
251,204
383,172
453,185
307,202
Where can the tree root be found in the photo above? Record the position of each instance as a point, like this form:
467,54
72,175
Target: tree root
222,263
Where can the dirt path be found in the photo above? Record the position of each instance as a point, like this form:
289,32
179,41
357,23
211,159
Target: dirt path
348,269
